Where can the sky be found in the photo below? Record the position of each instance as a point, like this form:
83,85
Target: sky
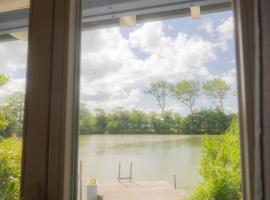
119,64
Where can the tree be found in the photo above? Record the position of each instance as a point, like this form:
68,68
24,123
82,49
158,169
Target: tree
139,122
166,123
14,110
87,121
3,79
3,122
15,103
210,122
160,90
101,120
187,91
216,90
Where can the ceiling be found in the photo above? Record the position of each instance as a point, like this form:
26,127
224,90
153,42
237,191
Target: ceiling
104,13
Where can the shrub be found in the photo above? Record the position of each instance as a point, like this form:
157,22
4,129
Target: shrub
10,168
220,167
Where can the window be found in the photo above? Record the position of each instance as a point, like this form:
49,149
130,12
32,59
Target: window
13,53
49,136
153,86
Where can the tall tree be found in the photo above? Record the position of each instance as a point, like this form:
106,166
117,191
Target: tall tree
160,90
216,90
187,92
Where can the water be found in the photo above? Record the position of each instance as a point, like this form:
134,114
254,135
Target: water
154,157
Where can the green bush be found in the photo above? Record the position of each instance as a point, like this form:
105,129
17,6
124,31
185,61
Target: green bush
220,167
10,168
206,122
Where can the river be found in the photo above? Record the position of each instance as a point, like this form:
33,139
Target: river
154,158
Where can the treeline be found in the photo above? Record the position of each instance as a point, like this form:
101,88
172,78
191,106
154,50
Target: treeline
186,92
138,122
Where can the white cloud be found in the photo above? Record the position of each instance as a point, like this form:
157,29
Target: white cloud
149,37
115,74
13,64
207,26
225,32
13,58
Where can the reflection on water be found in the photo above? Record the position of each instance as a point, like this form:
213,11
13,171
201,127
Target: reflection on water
154,157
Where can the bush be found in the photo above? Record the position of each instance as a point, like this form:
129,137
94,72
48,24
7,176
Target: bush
206,122
10,168
220,167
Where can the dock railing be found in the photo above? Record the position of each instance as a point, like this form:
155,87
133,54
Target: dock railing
130,178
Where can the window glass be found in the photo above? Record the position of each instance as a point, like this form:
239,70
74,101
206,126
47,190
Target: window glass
13,54
158,104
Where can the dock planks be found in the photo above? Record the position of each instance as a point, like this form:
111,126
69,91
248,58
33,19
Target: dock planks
157,190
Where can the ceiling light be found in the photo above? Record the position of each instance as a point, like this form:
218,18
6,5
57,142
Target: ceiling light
23,35
128,21
195,12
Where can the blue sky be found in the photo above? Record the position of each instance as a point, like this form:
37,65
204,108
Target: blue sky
118,64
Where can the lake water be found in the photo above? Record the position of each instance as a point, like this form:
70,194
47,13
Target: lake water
154,158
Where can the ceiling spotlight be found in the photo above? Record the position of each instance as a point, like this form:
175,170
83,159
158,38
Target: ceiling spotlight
23,35
128,21
195,12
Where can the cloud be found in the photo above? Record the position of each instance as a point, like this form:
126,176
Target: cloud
225,32
13,64
104,51
149,37
13,58
207,26
114,72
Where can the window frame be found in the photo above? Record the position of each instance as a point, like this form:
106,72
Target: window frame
48,169
49,166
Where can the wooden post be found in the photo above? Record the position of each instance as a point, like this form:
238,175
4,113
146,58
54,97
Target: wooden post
130,172
119,171
174,180
80,180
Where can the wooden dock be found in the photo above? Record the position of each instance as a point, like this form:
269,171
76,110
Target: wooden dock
157,190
